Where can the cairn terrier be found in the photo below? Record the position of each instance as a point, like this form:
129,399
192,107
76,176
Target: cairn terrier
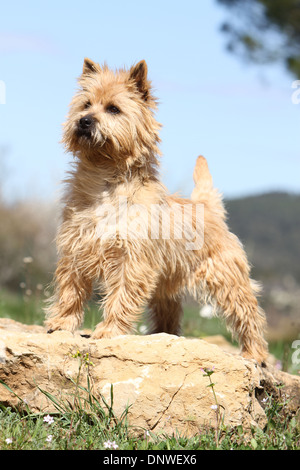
123,233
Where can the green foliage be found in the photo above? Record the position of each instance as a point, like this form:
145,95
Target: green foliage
265,31
22,308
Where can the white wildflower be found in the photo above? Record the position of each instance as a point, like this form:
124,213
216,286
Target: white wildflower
48,419
110,445
143,329
206,311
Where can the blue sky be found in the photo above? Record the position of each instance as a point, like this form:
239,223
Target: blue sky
241,118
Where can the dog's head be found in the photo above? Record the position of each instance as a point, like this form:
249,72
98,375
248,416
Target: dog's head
112,115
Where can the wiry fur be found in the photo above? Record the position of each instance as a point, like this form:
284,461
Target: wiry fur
119,159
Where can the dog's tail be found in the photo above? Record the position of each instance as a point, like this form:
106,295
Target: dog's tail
202,177
204,192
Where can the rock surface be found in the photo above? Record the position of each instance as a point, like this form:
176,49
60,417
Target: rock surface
160,376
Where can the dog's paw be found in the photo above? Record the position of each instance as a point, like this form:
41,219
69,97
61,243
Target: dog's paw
63,323
51,330
104,331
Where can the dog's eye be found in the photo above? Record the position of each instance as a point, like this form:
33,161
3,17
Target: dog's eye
87,104
111,109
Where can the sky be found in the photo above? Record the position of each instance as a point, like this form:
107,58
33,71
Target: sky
240,117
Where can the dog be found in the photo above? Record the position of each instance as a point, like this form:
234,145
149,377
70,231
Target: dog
123,233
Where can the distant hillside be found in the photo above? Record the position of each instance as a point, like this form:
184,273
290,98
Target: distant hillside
269,227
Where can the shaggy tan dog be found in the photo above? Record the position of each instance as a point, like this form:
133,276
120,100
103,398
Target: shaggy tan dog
122,232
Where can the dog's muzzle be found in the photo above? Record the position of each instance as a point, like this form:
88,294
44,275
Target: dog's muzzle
85,125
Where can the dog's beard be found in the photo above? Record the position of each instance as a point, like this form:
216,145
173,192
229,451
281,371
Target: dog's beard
87,141
96,143
102,142
90,138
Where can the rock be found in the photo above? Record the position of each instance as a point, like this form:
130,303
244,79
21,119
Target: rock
160,376
220,341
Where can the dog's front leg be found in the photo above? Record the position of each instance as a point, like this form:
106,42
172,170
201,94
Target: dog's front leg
129,281
65,308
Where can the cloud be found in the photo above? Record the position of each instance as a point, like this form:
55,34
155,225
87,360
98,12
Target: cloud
26,42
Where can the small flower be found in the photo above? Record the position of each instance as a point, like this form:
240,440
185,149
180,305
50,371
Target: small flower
8,440
48,419
214,407
110,445
49,438
207,371
207,311
143,329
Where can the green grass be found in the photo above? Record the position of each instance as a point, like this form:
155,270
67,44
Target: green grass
32,433
22,308
29,310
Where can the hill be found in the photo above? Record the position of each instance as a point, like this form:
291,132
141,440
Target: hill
269,227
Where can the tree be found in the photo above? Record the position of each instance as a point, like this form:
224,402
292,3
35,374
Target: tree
265,31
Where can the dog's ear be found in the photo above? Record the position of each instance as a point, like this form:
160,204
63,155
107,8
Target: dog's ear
138,74
89,66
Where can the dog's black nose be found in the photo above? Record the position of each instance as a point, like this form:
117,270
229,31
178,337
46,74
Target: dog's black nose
86,122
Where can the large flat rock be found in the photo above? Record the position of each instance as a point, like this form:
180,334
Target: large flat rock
160,376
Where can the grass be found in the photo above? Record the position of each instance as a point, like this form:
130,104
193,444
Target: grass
85,422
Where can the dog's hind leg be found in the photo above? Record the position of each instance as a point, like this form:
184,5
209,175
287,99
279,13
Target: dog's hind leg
165,315
224,270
